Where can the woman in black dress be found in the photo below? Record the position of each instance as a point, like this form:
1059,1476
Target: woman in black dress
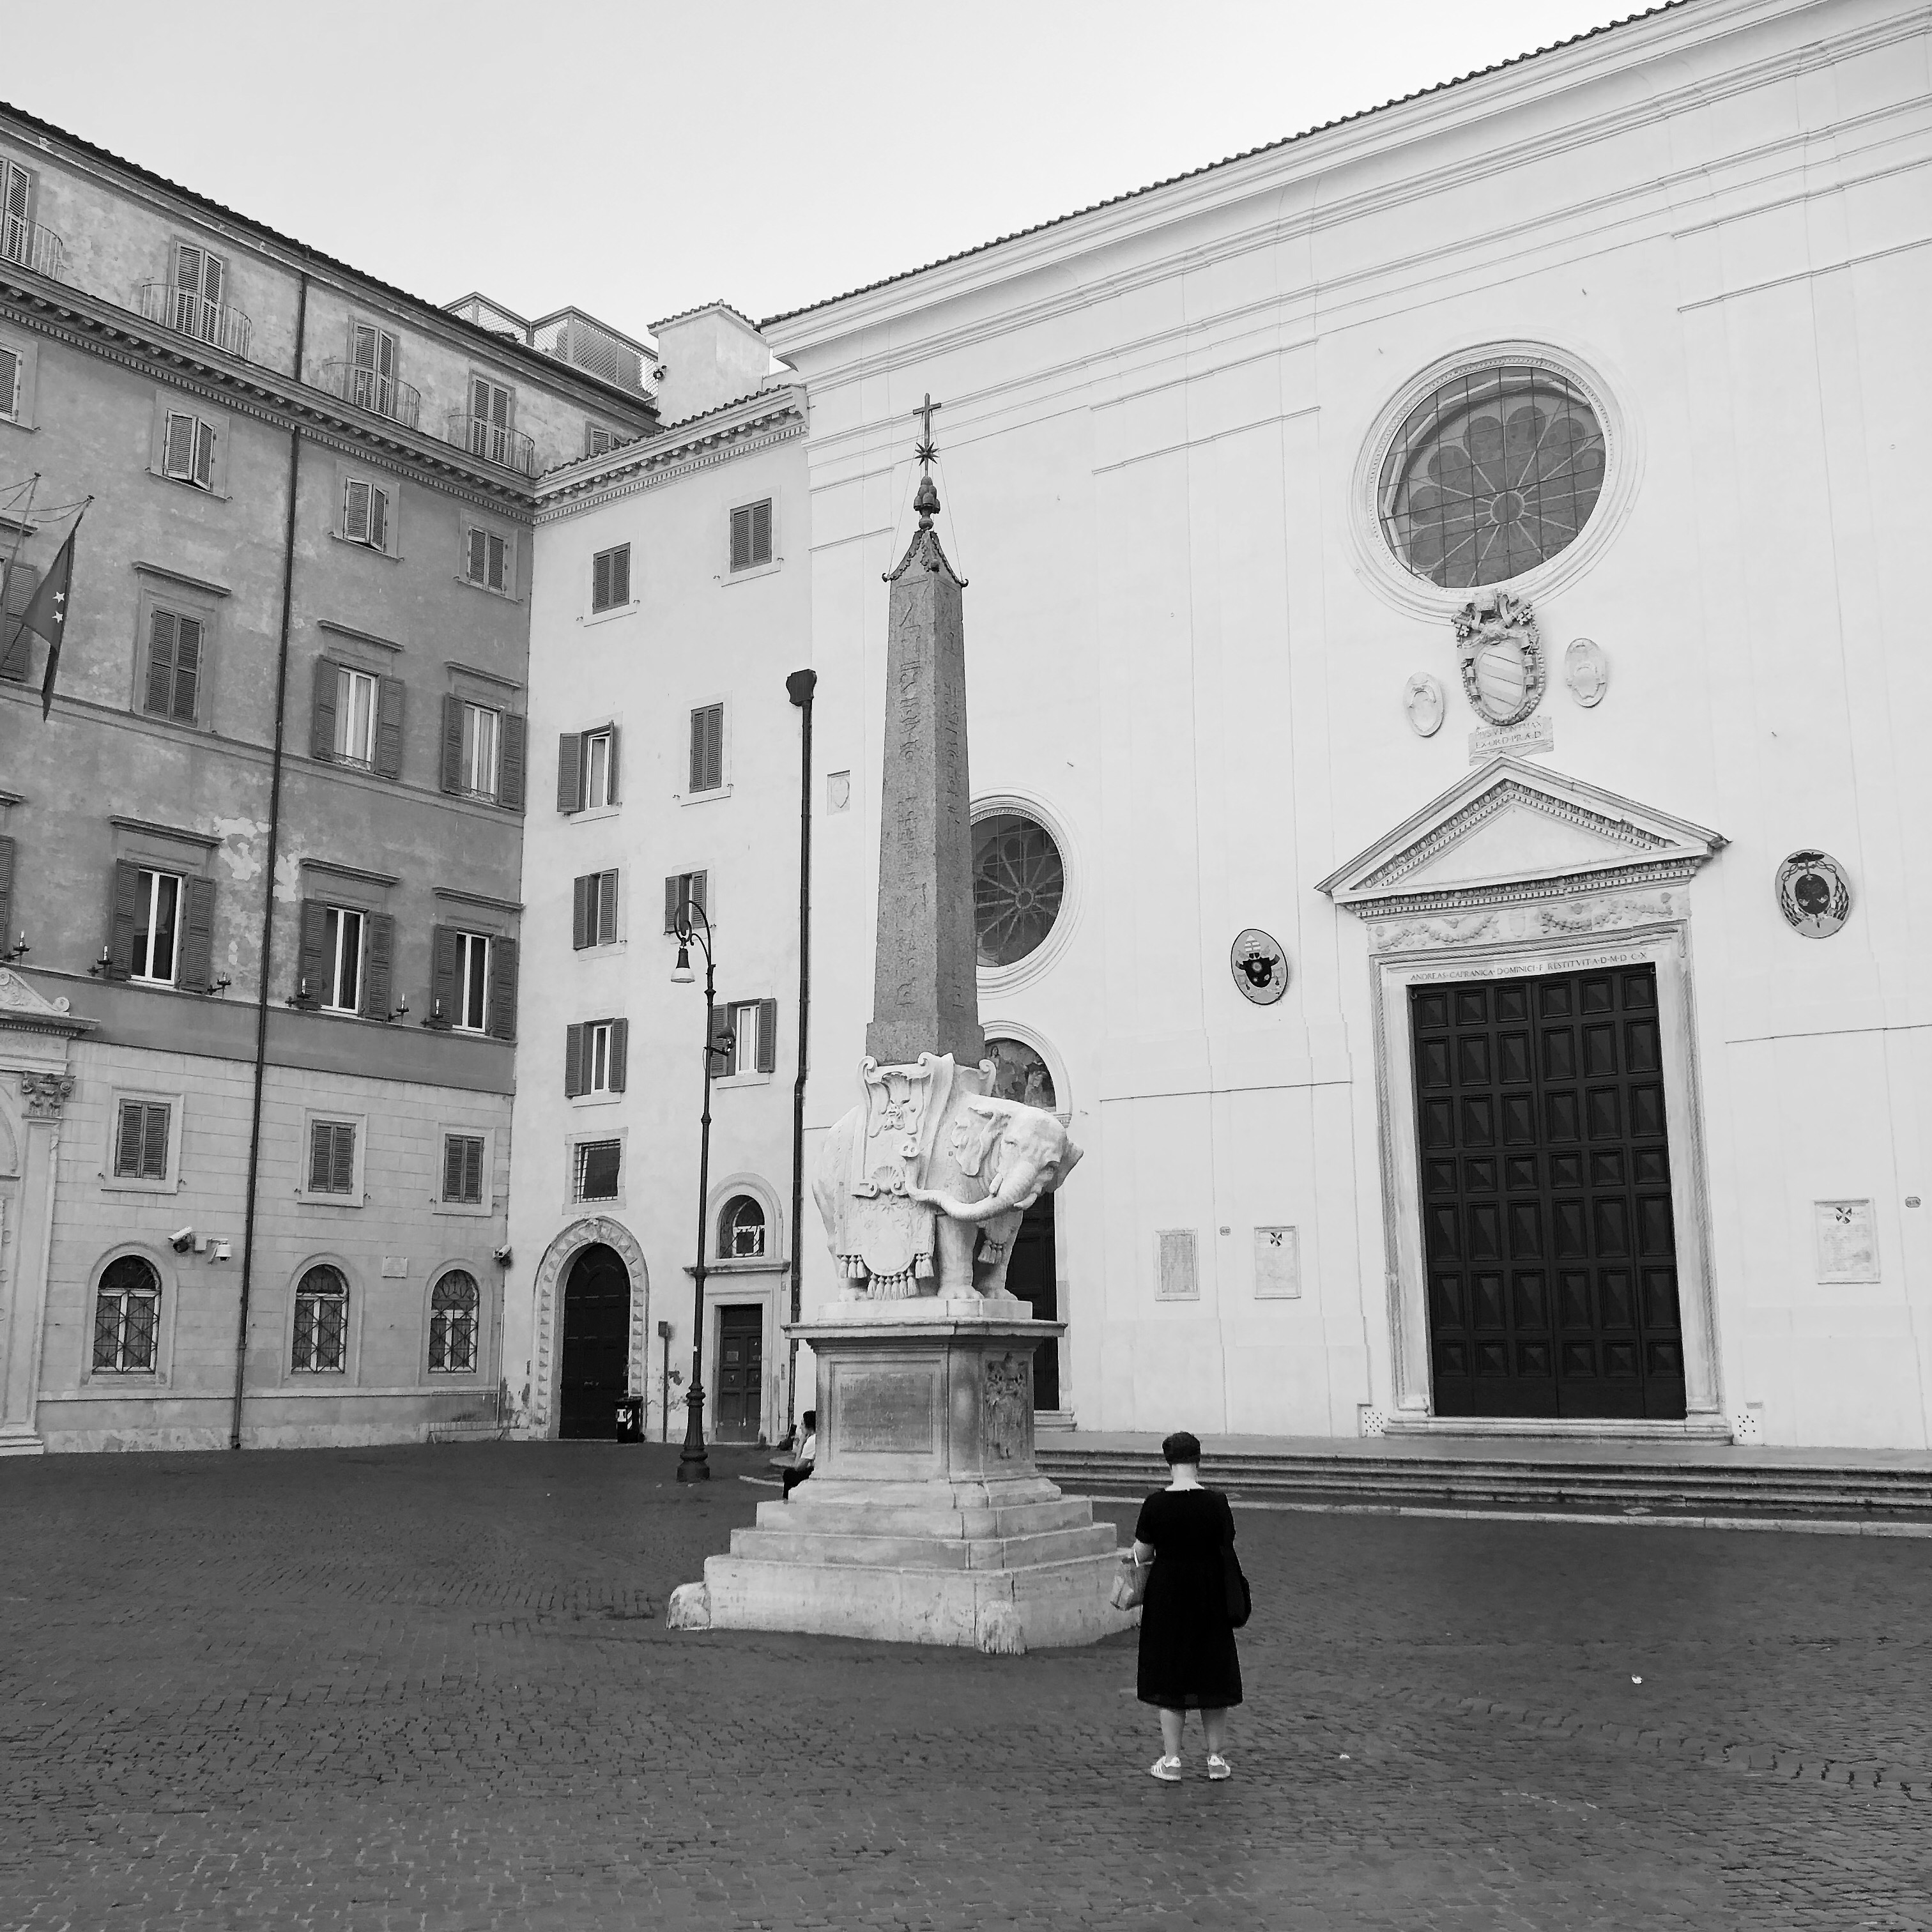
1188,1661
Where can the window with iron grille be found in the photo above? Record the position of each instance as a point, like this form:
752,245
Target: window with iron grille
487,560
741,1229
707,748
366,508
175,644
455,1304
611,578
599,1164
141,1140
752,535
463,1168
322,1323
188,449
127,1318
332,1157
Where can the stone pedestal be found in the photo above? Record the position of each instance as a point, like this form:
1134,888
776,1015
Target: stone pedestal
926,1521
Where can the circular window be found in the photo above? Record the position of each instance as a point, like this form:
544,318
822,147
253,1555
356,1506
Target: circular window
1018,882
1020,1074
1495,472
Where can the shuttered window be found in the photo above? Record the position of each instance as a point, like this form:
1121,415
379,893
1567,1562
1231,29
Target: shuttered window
707,748
463,1169
753,1027
487,560
12,366
594,911
332,1157
141,1140
599,441
611,578
482,732
491,408
596,1057
366,508
752,535
18,583
372,376
7,855
16,237
201,281
586,769
188,450
175,643
683,889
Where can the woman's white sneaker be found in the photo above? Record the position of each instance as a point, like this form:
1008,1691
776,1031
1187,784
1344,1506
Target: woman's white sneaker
1218,1766
1167,1769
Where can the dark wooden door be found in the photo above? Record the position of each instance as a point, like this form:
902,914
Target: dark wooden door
594,1374
1030,1275
738,1407
1547,1232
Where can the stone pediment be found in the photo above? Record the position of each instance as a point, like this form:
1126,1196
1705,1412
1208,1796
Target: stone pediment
23,1009
1512,831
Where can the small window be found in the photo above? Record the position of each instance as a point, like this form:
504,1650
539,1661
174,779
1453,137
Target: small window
600,769
473,982
141,1140
365,513
682,889
356,714
12,372
611,578
752,535
741,1229
16,234
482,735
332,1157
463,1169
707,748
487,561
599,441
342,936
455,1304
750,1050
599,1164
322,1323
174,648
127,1318
188,450
597,1057
594,911
157,897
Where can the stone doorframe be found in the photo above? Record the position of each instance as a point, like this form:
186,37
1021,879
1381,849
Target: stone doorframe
1514,872
551,1271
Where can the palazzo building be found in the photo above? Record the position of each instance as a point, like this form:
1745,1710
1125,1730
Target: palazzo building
1444,646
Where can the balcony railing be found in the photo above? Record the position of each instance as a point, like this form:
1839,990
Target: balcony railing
182,309
370,389
510,447
33,247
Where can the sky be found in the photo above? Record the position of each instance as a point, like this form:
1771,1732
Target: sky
636,160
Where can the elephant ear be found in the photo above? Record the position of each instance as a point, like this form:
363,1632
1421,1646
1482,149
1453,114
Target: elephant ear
979,1138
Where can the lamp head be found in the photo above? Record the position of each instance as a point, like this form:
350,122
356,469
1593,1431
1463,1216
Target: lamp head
681,974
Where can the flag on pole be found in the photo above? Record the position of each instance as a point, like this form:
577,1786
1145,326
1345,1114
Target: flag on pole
47,612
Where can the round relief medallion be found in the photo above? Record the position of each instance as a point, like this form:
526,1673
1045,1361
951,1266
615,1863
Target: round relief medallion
1019,882
1424,704
1813,894
1259,964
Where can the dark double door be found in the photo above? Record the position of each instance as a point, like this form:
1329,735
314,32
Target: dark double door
738,1408
1548,1237
594,1376
1031,1275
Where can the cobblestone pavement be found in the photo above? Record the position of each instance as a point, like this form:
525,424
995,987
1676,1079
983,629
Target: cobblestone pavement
433,1688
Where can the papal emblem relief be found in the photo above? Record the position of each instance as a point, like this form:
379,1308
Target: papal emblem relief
1502,657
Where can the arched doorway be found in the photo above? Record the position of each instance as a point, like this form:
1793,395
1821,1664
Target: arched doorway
1030,1275
594,1376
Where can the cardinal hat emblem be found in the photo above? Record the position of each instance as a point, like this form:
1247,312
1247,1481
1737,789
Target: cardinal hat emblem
1501,656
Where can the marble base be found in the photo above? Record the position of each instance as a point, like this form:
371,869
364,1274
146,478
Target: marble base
925,1520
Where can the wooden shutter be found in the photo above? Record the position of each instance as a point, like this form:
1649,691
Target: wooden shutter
472,1168
355,511
379,518
443,990
607,908
761,532
498,573
6,887
204,454
161,628
707,748
178,447
698,718
611,767
721,1032
502,989
476,565
378,965
362,352
321,1144
9,382
187,288
600,580
673,901
213,271
741,539
154,1141
389,727
768,1035
312,960
511,761
187,669
194,965
128,1139
17,655
582,914
573,1060
123,911
620,574
452,741
620,1053
453,1145
570,772
342,1161
321,713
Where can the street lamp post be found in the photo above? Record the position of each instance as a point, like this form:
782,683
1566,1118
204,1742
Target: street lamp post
693,1464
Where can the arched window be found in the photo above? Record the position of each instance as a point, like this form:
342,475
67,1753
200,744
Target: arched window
322,1322
741,1229
1019,1073
454,1305
127,1317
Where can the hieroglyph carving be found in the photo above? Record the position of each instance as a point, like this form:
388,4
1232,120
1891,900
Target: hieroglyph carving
1501,657
1555,919
46,1094
1005,1405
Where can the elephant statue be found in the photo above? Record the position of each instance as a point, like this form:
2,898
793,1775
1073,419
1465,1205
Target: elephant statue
922,1186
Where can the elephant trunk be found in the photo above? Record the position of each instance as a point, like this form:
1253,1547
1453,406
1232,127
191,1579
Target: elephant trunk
1017,1190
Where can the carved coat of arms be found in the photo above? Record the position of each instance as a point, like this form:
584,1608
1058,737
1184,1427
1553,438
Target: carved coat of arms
1501,657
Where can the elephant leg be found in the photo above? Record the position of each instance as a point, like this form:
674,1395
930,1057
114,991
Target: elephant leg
954,1257
1000,1232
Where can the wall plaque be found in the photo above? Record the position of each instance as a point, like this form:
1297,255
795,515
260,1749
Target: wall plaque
1534,734
1277,1265
1175,1277
1259,963
887,1411
1813,894
1847,1238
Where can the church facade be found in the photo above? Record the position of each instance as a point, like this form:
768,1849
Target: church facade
1442,666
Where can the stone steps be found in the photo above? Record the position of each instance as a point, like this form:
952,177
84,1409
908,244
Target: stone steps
840,1517
924,1552
1491,1482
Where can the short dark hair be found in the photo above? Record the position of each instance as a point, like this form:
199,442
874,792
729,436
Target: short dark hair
811,1418
1181,1447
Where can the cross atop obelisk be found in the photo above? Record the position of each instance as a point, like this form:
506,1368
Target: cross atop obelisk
925,995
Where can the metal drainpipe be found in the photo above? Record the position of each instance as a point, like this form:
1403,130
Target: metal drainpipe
268,882
799,688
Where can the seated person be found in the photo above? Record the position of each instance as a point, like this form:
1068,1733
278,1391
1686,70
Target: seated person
808,1453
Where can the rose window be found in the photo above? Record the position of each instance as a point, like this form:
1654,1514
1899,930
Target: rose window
1018,881
1494,473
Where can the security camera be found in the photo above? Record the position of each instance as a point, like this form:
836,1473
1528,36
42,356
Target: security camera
501,1256
182,1240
